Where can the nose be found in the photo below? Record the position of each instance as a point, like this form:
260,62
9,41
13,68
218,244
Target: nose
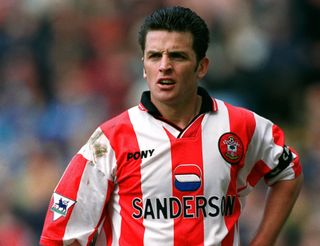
165,64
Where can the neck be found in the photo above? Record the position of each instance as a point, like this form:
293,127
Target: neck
181,115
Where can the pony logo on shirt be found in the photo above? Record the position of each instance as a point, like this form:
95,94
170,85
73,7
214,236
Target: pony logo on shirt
60,206
231,147
187,177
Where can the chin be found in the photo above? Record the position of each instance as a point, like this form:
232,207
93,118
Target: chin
165,99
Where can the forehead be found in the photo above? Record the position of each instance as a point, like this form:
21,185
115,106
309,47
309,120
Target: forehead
165,40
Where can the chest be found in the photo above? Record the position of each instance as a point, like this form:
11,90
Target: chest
161,161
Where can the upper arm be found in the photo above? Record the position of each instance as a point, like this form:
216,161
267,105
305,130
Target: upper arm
77,206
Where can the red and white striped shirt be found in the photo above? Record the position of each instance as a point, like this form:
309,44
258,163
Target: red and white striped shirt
140,180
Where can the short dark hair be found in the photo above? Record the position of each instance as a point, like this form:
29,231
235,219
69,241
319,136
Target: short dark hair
178,19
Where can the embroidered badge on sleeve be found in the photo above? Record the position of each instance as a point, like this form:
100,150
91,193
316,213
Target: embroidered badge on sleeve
60,206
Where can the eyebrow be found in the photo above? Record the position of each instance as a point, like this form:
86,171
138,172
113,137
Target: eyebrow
173,52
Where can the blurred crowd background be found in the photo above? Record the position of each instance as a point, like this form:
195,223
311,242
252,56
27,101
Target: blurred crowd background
66,66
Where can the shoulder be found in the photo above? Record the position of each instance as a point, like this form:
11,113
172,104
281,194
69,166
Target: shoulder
120,122
238,110
236,113
244,119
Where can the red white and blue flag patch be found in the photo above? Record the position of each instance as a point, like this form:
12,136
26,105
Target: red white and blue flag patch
187,177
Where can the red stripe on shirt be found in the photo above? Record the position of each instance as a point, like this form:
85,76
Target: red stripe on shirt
278,135
259,170
194,129
188,150
242,123
123,140
67,187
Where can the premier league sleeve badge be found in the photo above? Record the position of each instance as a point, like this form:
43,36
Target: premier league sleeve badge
60,206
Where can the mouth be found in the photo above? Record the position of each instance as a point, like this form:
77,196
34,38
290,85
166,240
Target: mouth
166,82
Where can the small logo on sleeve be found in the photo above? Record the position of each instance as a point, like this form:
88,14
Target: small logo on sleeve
231,148
60,206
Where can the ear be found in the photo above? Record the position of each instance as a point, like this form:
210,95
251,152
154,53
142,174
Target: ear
144,71
203,67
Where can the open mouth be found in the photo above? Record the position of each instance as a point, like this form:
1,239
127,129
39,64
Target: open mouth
166,82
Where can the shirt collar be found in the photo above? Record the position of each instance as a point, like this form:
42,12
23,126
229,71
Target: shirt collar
208,103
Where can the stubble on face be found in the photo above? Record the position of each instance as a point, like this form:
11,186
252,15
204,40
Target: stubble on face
170,67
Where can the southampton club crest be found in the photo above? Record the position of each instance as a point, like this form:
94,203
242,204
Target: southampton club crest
231,148
60,206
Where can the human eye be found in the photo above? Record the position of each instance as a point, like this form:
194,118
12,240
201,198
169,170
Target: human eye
154,55
178,56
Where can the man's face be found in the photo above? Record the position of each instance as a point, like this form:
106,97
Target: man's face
171,68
